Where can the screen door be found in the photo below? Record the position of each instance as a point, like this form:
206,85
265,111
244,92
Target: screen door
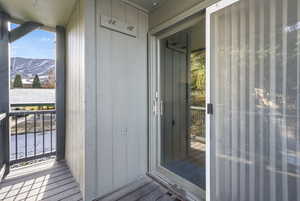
254,87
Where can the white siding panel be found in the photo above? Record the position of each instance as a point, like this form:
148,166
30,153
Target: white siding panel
75,94
121,98
105,150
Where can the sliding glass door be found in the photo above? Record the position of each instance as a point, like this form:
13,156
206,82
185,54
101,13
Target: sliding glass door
254,86
182,108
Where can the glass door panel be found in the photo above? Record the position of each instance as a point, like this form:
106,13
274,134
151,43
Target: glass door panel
182,71
254,88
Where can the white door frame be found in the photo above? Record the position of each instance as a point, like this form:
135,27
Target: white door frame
155,169
154,99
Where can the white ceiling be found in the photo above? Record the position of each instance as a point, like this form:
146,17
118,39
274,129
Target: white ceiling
148,4
48,12
54,12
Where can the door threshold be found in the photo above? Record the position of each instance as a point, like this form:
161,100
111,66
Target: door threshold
173,188
144,188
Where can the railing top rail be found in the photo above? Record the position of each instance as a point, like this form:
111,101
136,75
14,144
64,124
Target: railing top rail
198,108
25,112
2,116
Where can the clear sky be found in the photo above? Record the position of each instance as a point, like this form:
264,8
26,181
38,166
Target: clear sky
38,44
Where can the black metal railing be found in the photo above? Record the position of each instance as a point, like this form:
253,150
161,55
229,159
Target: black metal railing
32,135
198,121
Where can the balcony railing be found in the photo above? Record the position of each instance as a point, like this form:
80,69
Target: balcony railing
32,135
198,122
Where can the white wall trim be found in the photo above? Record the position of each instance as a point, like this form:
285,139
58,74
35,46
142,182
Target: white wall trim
180,27
218,6
179,18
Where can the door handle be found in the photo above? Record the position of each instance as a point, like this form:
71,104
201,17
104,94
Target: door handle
209,108
154,107
161,108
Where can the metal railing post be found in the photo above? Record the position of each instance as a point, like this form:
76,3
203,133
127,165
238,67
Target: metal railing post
16,137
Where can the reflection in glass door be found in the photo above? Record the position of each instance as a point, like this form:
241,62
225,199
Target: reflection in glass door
254,63
183,95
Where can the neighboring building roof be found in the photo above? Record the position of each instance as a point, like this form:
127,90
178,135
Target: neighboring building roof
32,96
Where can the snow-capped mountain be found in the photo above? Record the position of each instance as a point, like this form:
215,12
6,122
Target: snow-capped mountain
28,68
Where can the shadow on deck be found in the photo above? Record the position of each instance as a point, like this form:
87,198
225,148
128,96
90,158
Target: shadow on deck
49,180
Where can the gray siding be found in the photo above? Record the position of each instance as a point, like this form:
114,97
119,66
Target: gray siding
75,93
90,101
121,96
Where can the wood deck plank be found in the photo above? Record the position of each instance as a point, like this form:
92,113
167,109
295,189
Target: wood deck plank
36,167
34,190
56,191
141,192
45,180
57,183
126,190
158,193
63,195
75,197
52,181
148,190
26,177
166,198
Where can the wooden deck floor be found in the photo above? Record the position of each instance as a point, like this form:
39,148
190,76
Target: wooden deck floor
48,180
197,153
144,189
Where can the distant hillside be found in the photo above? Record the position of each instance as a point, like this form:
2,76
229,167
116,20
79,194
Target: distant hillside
28,68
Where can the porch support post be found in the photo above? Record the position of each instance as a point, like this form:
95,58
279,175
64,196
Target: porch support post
22,30
60,92
4,89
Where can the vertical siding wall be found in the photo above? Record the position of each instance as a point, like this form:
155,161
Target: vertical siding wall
75,94
121,101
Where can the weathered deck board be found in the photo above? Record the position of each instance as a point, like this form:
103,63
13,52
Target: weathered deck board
43,181
140,192
124,191
144,189
155,195
166,198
